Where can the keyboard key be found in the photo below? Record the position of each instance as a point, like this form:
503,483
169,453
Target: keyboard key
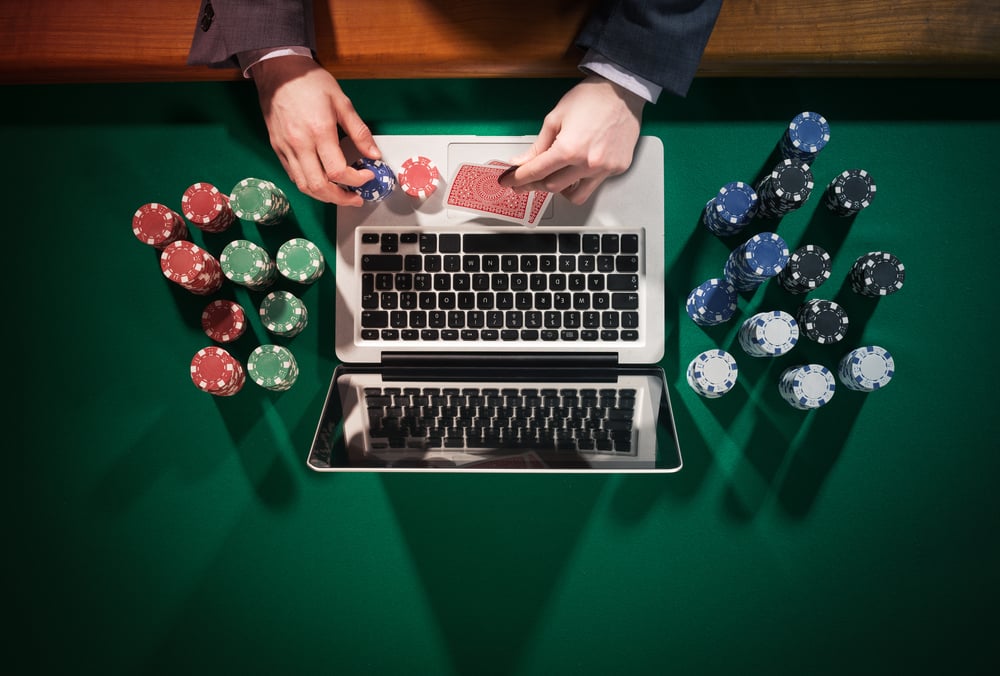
382,263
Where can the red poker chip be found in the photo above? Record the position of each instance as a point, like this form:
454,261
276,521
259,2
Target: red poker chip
216,371
419,177
188,265
158,225
207,208
223,320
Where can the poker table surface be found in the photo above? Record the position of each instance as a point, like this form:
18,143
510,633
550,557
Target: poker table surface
158,529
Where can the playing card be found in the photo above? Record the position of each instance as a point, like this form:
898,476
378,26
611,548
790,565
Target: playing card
475,188
539,198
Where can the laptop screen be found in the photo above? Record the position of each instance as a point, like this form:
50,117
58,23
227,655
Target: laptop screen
499,419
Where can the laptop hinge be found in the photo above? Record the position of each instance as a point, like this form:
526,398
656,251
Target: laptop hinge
553,360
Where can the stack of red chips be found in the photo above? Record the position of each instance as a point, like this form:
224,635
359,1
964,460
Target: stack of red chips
217,372
158,225
224,320
188,265
207,208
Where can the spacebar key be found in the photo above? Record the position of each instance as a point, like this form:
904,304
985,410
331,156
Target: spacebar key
509,243
381,263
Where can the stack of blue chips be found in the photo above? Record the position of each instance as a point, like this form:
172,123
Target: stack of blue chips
731,210
379,187
806,135
756,260
712,302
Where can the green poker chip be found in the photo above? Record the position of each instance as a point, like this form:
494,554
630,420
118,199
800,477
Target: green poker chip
273,367
283,313
246,263
258,200
300,260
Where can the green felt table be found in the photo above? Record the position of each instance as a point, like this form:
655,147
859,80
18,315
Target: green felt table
158,529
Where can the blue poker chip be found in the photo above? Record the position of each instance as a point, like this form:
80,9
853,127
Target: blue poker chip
806,135
712,302
732,208
379,187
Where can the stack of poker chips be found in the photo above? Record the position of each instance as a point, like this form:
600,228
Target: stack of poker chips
712,302
769,334
419,177
259,200
731,210
381,185
158,225
248,264
188,265
283,313
300,260
223,320
808,267
849,192
216,371
712,373
806,135
273,367
207,208
822,321
785,189
807,386
877,273
755,261
866,369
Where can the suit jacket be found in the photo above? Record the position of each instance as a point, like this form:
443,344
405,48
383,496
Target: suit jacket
659,40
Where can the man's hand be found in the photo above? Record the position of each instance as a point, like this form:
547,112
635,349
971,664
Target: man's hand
590,135
303,105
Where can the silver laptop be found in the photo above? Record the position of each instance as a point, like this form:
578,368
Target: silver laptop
471,343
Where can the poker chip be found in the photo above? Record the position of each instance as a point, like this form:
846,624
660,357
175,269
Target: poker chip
260,201
300,260
223,320
283,313
216,371
273,367
808,268
785,189
731,210
849,192
866,368
805,136
712,373
419,177
822,321
248,264
807,386
380,186
755,261
768,334
877,273
158,225
188,265
207,208
712,302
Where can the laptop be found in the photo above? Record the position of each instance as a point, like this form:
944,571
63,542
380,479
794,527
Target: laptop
471,343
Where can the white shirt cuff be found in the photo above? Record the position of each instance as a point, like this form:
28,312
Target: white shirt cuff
599,65
251,58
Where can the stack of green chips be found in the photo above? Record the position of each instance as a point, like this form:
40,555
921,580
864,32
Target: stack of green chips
273,367
258,200
245,263
283,313
300,260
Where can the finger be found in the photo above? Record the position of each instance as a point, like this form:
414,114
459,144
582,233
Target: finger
558,181
358,132
579,193
546,137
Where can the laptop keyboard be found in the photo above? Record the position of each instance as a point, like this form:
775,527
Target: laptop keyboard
570,420
487,287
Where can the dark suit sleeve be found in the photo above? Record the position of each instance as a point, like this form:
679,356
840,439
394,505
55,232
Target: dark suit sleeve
241,25
659,40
